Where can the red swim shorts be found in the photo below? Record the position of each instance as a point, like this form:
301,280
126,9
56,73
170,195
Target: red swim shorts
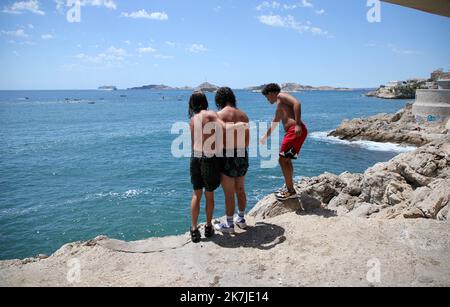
292,144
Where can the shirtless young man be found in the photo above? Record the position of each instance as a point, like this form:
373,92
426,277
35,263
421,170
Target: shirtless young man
207,133
289,112
235,162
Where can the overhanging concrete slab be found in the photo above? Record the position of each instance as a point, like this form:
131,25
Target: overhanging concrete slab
439,7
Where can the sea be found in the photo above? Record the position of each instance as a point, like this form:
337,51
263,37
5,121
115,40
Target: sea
78,164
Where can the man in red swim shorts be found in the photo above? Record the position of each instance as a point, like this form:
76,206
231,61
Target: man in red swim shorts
289,112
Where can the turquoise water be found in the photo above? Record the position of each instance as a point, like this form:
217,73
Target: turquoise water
71,170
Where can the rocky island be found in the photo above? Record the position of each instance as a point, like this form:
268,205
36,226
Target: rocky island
161,87
205,87
295,87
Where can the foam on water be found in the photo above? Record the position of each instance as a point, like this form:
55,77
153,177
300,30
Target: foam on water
322,136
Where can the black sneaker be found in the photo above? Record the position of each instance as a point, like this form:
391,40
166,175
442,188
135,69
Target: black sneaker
209,231
285,195
195,236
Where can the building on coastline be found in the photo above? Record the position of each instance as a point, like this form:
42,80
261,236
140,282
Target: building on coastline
393,84
433,105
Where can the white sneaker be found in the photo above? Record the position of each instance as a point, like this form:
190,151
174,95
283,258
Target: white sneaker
224,228
282,189
240,222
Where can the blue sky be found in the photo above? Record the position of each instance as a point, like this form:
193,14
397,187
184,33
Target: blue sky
228,42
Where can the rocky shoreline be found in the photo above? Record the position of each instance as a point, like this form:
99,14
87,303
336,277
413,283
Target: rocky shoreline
412,185
399,128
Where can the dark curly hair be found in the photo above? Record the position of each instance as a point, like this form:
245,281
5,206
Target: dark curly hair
197,103
271,88
225,97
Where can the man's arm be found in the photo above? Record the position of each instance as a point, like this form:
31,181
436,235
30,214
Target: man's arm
191,126
275,122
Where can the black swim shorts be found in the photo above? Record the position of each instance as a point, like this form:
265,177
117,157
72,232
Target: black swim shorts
235,164
205,173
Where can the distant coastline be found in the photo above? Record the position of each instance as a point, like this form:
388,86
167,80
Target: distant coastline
295,87
208,87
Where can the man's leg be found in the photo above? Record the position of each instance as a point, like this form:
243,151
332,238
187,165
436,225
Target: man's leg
241,195
242,202
288,172
195,208
209,207
229,188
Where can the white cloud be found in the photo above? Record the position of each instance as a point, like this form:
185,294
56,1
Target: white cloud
110,4
305,3
272,20
146,50
399,50
30,26
163,57
23,43
47,36
111,57
393,48
15,33
268,5
116,51
197,48
168,43
146,15
320,12
290,22
21,7
274,5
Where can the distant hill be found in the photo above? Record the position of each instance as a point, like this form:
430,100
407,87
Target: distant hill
205,87
295,87
161,87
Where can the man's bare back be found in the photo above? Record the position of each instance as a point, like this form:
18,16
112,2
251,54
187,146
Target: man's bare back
199,137
234,115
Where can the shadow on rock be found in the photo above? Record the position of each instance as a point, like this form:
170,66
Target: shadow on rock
312,206
262,236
